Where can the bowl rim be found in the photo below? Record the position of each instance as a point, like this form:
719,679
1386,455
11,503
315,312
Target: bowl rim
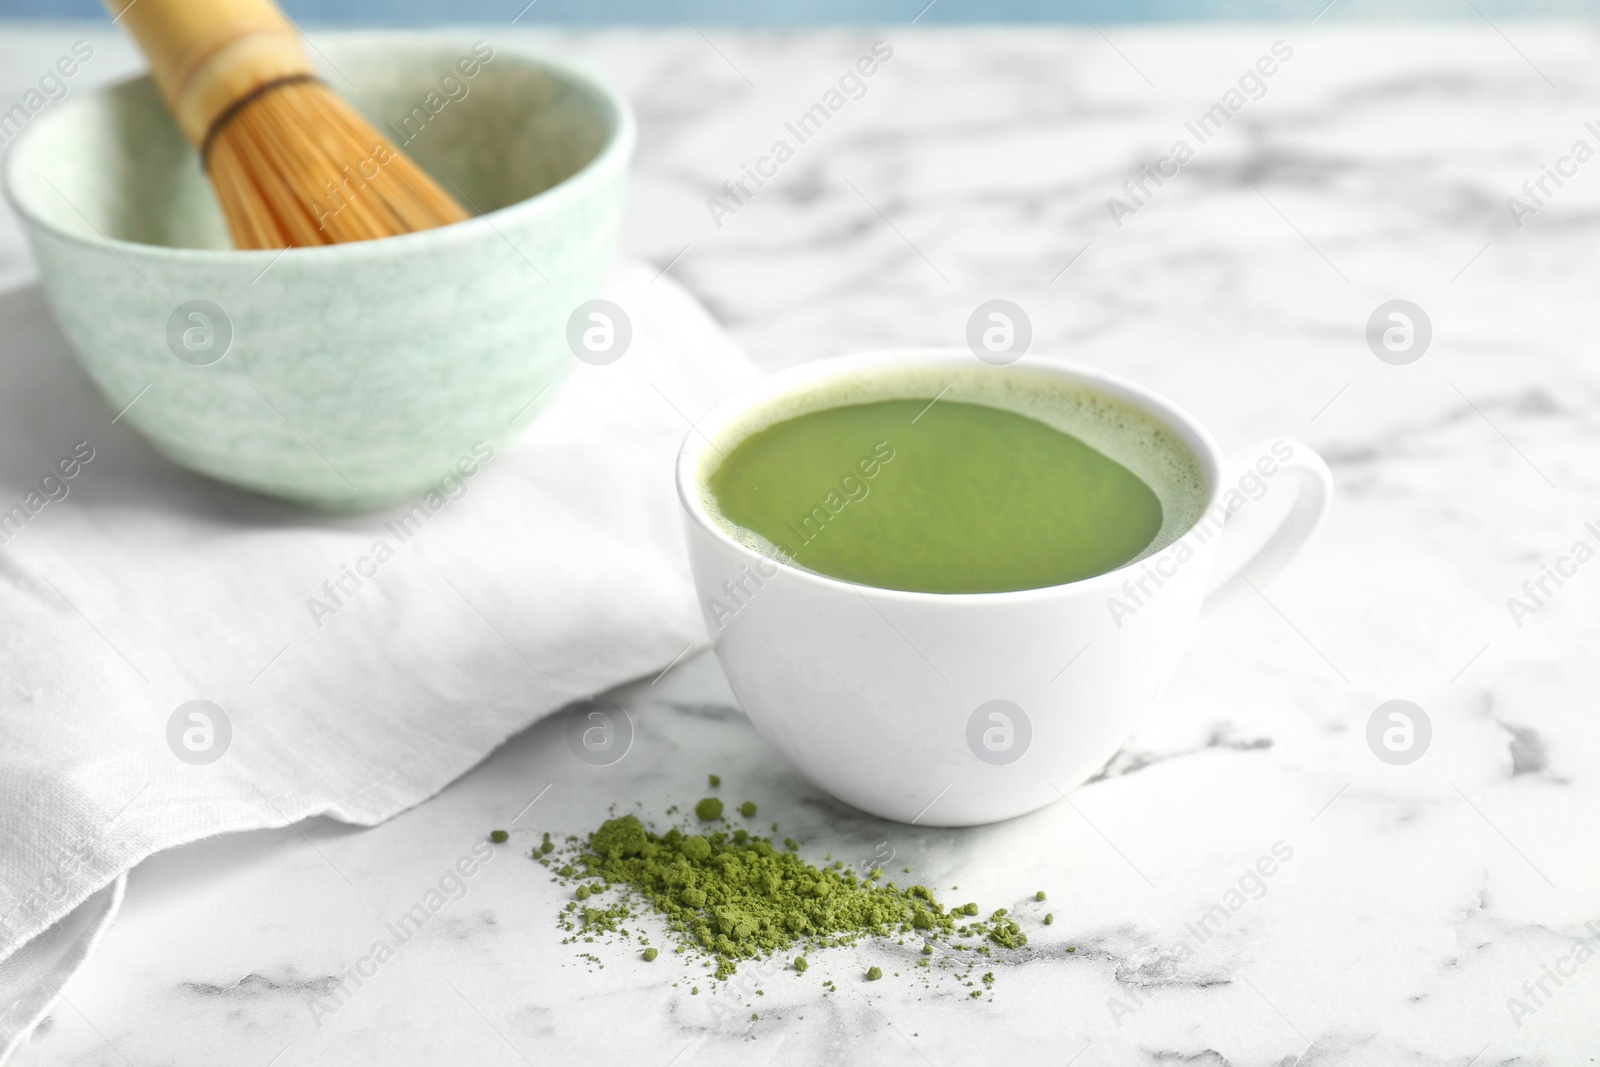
617,149
702,436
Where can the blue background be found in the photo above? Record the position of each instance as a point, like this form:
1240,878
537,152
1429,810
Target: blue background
841,12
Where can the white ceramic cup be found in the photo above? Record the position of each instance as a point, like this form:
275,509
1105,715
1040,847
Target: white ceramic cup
954,709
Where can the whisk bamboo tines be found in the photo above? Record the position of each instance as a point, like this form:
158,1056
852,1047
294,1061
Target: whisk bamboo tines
291,162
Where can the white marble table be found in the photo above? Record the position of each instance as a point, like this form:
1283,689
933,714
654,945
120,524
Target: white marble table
1419,898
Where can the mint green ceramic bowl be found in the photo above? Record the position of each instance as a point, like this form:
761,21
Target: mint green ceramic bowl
344,376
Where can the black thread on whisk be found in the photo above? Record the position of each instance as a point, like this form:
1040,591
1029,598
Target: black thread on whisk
243,102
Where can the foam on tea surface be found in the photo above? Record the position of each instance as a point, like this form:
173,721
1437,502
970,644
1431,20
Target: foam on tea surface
1112,486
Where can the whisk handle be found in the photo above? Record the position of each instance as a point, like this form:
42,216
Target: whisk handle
206,55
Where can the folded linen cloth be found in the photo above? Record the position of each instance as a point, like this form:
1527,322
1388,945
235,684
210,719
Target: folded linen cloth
351,666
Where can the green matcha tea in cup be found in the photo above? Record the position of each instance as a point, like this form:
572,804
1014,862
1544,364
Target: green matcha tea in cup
947,591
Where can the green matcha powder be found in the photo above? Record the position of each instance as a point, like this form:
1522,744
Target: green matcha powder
734,895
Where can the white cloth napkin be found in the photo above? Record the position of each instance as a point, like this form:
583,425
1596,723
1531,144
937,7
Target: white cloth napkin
554,571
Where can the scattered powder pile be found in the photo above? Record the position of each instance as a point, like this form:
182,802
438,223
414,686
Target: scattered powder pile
733,895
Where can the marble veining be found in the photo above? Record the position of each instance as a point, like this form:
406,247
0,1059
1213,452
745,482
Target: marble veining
1428,914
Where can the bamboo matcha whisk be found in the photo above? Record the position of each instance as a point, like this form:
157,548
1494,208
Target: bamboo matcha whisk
291,162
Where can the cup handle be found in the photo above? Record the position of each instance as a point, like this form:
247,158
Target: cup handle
1277,545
